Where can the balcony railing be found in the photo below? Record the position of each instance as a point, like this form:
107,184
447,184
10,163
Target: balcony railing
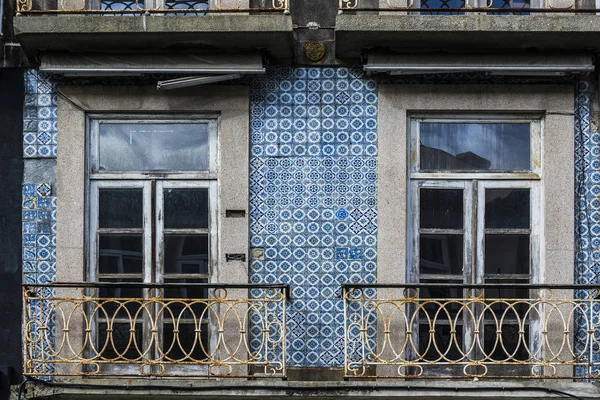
129,329
443,7
467,331
138,7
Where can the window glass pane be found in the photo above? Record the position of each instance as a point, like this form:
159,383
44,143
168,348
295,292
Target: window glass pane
506,254
506,342
158,146
185,343
507,208
441,254
186,254
441,208
186,208
439,342
442,4
120,342
187,309
512,303
120,208
508,4
120,254
475,146
436,300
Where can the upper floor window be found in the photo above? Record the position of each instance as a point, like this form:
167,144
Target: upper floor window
153,219
475,209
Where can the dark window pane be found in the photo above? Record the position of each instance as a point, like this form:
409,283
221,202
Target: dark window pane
120,254
115,301
120,208
508,4
186,254
154,147
509,303
507,208
508,344
439,342
506,254
475,146
441,208
441,254
186,208
435,300
442,4
187,309
120,344
186,344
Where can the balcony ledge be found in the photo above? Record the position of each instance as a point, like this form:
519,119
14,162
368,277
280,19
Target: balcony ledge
99,33
465,32
134,389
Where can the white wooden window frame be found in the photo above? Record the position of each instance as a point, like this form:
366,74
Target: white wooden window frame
94,150
153,184
474,184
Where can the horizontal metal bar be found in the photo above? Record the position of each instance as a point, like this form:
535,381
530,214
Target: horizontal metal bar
156,285
154,11
471,10
465,286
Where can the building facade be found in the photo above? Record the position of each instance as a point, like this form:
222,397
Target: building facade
219,193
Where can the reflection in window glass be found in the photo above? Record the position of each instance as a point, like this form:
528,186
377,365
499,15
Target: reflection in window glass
154,147
452,146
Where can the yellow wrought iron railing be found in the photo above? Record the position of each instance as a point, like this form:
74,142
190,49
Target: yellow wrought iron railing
470,331
134,329
139,7
428,7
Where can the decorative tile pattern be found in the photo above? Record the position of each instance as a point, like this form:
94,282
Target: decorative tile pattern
39,233
39,116
312,197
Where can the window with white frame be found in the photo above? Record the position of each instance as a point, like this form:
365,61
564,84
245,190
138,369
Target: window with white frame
153,219
474,217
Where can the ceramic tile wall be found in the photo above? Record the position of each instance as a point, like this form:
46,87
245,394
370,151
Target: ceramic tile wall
39,116
313,205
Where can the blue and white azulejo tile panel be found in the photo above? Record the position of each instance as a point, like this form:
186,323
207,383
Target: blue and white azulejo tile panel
313,205
39,116
39,233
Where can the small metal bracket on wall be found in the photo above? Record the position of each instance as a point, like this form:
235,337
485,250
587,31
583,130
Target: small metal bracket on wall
235,213
235,257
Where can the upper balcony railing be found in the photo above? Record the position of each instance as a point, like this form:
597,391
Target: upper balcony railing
129,329
138,7
456,7
471,331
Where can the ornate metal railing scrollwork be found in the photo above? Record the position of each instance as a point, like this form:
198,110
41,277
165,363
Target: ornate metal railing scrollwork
140,7
101,329
413,332
464,6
